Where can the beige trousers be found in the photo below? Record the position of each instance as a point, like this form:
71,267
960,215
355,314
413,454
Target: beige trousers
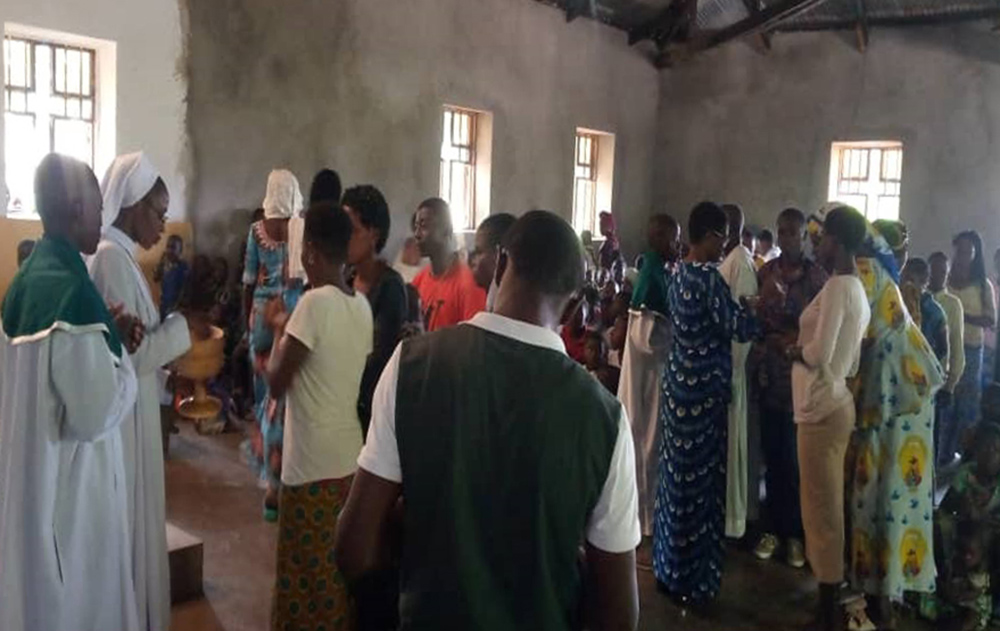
822,448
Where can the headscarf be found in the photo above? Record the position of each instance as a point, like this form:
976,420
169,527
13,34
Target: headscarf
283,199
894,233
875,245
129,178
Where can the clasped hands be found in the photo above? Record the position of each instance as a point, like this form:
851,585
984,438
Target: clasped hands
130,328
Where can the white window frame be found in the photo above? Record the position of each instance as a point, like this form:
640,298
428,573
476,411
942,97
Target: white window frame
593,178
868,176
466,143
101,95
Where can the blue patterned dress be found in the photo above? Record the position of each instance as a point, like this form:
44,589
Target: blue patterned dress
689,520
266,271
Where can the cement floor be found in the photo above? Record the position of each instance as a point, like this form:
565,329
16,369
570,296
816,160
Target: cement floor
211,494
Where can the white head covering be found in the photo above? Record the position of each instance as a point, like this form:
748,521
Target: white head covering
283,199
129,178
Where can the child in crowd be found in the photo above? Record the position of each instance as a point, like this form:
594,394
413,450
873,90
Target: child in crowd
318,363
171,273
574,329
965,524
915,279
595,358
964,600
24,250
617,335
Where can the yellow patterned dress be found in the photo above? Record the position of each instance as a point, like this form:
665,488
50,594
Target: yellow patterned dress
891,460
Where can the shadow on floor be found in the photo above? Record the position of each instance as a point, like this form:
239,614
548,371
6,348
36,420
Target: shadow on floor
212,494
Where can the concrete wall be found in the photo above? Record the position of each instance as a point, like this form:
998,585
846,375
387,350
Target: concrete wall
150,91
13,231
358,85
737,125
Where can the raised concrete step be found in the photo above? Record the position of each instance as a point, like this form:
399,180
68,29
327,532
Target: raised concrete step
186,553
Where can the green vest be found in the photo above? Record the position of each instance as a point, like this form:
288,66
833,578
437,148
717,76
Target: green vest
505,448
52,290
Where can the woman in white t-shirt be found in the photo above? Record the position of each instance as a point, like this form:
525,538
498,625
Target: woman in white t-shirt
828,352
318,364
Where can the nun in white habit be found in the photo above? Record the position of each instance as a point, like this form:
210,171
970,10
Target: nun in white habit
135,207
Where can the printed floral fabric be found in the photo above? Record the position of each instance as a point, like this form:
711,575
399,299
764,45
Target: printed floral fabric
891,459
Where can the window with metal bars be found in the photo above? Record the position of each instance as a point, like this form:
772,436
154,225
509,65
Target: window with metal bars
585,183
458,166
50,103
868,176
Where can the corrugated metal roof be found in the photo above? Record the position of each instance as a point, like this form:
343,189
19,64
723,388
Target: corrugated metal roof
630,15
836,12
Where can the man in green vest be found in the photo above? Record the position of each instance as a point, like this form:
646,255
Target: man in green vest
66,385
507,456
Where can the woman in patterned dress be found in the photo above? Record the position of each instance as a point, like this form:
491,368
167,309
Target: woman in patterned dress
689,516
269,290
891,456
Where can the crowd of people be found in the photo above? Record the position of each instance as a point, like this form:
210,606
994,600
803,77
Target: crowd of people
484,439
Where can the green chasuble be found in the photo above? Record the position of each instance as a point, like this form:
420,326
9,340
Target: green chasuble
52,290
651,288
505,448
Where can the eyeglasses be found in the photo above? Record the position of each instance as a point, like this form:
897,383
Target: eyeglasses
718,234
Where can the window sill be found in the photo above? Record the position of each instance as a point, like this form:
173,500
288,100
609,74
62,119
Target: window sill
21,215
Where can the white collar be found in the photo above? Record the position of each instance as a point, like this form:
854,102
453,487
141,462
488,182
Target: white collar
518,330
117,236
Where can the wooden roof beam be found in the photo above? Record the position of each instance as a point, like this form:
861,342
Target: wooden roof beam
862,27
671,23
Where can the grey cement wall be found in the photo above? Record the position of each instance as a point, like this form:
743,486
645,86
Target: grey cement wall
358,85
738,125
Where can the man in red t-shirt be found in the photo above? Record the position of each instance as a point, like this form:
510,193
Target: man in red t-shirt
448,291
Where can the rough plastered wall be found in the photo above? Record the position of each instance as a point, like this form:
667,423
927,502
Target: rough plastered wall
149,87
738,125
358,85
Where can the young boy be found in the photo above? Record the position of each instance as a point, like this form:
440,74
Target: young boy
933,321
172,274
595,358
318,364
970,513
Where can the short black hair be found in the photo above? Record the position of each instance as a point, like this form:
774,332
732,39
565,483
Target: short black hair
495,227
372,209
326,187
661,221
766,235
917,266
793,214
848,226
328,229
439,207
734,212
546,253
747,232
936,256
175,238
597,336
706,217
